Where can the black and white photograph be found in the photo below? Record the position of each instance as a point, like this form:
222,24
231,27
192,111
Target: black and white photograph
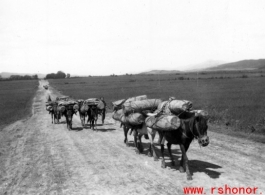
132,97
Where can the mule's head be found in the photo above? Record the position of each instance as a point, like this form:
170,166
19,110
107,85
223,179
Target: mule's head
200,129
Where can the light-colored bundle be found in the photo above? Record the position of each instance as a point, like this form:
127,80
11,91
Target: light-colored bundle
133,119
178,106
92,101
117,115
118,104
174,106
84,108
163,122
66,103
137,98
140,105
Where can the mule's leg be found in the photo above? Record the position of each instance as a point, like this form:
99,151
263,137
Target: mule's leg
152,150
170,154
185,161
125,130
181,168
70,125
95,124
140,145
103,117
135,135
163,164
52,117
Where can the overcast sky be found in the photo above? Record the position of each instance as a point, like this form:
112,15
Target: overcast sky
95,37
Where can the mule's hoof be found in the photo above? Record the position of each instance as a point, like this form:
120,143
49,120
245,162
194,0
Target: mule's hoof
137,151
127,144
189,177
181,169
163,165
156,159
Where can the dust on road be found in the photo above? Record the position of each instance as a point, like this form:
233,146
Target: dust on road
38,157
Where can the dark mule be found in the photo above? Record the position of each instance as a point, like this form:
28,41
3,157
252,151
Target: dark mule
83,109
190,128
139,132
126,129
92,116
68,113
51,112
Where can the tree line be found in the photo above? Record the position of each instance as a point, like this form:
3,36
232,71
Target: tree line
58,75
20,77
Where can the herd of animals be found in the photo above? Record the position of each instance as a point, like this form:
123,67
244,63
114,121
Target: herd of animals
173,120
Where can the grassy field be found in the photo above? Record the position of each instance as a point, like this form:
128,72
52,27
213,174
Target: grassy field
15,100
233,99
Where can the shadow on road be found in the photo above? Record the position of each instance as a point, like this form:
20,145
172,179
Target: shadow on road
104,130
206,167
77,128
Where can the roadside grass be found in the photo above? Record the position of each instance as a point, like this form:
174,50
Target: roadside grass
15,100
236,103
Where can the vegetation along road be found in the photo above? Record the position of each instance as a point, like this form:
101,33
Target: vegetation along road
38,157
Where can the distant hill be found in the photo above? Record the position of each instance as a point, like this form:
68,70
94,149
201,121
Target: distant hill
240,65
8,74
161,72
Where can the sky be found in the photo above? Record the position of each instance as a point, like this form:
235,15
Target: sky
96,37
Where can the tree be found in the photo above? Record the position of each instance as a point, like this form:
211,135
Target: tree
60,75
68,75
35,76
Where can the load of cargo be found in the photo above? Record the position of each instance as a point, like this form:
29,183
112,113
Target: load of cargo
132,110
166,115
117,115
95,102
175,106
118,104
163,122
140,106
50,105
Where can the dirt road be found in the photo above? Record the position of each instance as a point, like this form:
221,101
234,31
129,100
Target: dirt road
38,157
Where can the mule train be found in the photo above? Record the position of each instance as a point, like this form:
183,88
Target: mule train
64,106
173,120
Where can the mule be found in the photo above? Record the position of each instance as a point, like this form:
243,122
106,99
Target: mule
126,129
57,114
190,128
92,116
83,109
102,112
68,113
